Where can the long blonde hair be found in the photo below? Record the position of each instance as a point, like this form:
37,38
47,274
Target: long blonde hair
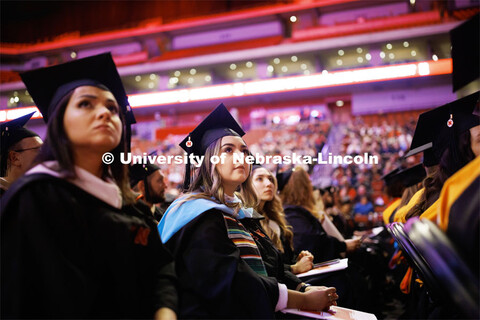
299,191
273,210
207,183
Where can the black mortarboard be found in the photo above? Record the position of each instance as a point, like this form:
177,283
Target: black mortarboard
412,175
139,172
390,177
47,86
283,178
11,133
218,124
439,128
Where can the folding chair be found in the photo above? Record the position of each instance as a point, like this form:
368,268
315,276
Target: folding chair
415,259
455,280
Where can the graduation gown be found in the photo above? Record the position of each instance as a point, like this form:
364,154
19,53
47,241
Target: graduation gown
215,282
459,212
391,209
308,234
402,212
271,256
68,254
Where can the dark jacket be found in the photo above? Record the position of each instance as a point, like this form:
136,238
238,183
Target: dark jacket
308,234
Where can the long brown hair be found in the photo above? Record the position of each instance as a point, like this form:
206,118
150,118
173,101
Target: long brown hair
207,183
273,210
299,191
58,147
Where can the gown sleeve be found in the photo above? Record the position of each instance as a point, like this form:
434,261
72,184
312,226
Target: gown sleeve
214,279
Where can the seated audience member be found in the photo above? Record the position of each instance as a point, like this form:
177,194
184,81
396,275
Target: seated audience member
18,148
300,211
220,269
449,132
274,223
148,180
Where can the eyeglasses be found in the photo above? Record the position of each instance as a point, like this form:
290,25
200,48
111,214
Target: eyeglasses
21,150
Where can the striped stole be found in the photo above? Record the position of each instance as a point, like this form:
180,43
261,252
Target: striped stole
243,240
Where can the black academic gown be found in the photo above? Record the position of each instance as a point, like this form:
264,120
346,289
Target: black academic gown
272,258
67,254
215,283
308,234
464,225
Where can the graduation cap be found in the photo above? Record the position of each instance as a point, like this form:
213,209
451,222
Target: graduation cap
47,86
139,172
218,124
438,129
412,175
390,177
11,133
283,178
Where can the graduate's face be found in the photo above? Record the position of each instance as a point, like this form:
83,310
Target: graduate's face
475,140
92,120
232,174
157,186
264,184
